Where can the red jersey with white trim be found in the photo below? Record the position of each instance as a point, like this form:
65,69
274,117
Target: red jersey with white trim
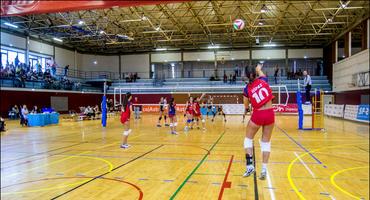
258,92
197,108
190,107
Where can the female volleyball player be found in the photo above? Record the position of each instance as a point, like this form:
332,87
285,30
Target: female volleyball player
204,112
125,119
259,94
189,113
197,113
162,113
172,115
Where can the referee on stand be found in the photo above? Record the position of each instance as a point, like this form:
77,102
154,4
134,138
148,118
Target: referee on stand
307,85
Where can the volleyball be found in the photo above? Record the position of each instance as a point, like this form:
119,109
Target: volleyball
238,24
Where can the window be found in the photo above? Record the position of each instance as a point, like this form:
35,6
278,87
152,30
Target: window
12,56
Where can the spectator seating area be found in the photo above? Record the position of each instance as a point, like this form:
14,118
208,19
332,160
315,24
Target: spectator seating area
205,85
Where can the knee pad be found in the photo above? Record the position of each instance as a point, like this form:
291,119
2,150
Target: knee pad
203,120
160,118
265,146
197,119
175,124
248,143
171,125
127,133
192,120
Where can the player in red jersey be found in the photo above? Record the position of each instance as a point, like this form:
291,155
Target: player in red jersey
258,93
125,119
197,113
189,113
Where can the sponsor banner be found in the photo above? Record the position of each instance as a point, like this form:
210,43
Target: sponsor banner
289,108
350,112
233,109
155,108
363,112
334,110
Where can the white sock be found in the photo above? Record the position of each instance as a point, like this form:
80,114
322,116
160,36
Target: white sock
264,166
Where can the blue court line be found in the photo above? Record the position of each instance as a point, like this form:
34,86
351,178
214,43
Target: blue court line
299,144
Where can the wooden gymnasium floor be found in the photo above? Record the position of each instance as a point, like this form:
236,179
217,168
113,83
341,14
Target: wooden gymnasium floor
81,160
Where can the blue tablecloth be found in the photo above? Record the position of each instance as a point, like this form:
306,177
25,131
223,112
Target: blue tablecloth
43,119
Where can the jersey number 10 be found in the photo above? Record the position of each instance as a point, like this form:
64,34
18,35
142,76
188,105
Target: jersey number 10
262,94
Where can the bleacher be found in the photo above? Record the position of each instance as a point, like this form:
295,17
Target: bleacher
205,85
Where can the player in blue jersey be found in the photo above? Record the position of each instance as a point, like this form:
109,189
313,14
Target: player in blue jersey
172,115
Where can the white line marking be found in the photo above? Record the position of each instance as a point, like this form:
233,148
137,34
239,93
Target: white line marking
272,193
312,174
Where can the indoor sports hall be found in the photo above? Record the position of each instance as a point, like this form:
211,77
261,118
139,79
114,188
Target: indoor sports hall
184,99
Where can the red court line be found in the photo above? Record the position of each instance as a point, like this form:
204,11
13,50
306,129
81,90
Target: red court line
141,194
226,184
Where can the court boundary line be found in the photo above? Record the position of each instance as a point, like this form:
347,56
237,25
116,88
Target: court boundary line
104,178
196,167
97,177
299,144
225,183
256,195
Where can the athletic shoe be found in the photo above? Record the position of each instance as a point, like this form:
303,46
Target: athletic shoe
174,132
198,127
125,146
191,128
166,125
158,125
263,175
186,128
249,171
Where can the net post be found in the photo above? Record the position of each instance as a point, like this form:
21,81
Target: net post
279,93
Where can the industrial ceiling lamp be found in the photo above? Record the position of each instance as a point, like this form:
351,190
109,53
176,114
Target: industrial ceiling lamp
344,3
264,8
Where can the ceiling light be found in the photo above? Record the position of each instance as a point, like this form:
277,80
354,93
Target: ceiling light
161,49
95,62
232,58
262,61
329,20
101,32
157,28
213,47
11,45
81,22
343,56
11,25
165,60
172,64
304,57
264,8
144,18
269,45
198,59
260,23
58,40
344,3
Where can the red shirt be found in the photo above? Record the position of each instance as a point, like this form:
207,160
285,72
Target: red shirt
258,92
197,107
190,107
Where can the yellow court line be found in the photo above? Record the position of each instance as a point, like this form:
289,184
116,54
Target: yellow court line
301,156
332,181
61,160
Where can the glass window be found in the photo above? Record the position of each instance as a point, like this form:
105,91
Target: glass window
21,57
11,57
4,59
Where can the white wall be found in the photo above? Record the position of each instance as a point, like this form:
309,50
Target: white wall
301,53
166,57
12,40
136,63
85,62
202,56
39,47
64,57
268,54
344,69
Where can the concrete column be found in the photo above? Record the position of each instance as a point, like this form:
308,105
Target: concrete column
119,67
347,44
335,51
365,35
182,65
286,61
27,55
216,72
75,60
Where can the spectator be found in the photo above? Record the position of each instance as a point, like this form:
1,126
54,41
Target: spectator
35,110
24,116
53,69
276,74
236,70
96,110
231,79
2,124
15,109
66,68
89,112
307,85
234,78
136,107
225,78
135,76
39,68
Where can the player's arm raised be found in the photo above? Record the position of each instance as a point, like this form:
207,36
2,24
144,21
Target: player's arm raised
259,70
